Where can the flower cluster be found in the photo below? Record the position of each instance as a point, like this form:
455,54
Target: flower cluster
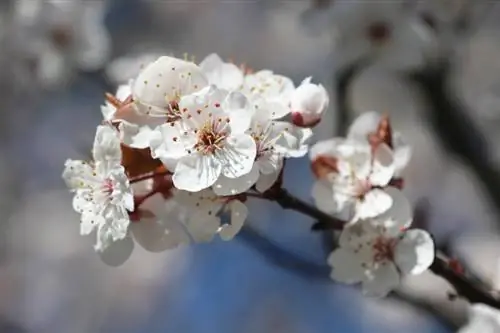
179,147
358,180
182,146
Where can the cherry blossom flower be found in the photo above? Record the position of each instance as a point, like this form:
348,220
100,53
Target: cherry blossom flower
367,124
269,91
206,211
352,186
379,253
61,36
210,141
383,31
224,75
482,318
272,148
307,104
154,98
103,195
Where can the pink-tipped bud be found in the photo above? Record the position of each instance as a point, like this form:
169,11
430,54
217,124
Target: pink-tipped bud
307,103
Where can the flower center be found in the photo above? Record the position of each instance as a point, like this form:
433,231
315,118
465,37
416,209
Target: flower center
362,187
211,136
383,249
108,187
379,32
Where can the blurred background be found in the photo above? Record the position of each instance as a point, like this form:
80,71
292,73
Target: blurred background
432,65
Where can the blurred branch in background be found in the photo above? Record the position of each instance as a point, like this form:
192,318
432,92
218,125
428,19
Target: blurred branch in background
457,131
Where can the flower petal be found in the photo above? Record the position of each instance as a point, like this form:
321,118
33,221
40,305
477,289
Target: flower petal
202,228
136,136
363,126
238,156
224,75
118,252
400,215
265,181
225,186
239,110
165,80
106,145
322,194
374,203
239,213
381,281
196,172
346,266
414,253
157,236
383,166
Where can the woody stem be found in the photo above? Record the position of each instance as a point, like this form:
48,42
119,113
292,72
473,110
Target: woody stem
466,287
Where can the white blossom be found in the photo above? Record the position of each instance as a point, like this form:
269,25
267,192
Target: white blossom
209,141
103,195
61,36
354,188
269,91
308,102
154,98
383,31
482,319
379,253
367,124
205,215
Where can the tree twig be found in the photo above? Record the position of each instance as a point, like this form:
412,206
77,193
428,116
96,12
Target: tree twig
465,286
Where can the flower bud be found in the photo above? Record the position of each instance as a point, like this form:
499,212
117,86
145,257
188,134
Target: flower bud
308,102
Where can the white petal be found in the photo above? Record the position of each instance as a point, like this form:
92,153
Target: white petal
239,111
402,153
238,157
225,75
325,147
322,194
202,228
196,172
107,145
157,236
381,281
135,136
294,140
77,173
164,80
373,204
309,100
363,126
270,162
346,266
89,222
400,215
118,252
225,186
383,166
265,181
168,144
414,252
239,213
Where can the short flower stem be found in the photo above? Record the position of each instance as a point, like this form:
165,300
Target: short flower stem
473,291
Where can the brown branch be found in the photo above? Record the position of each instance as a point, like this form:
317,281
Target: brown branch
465,286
